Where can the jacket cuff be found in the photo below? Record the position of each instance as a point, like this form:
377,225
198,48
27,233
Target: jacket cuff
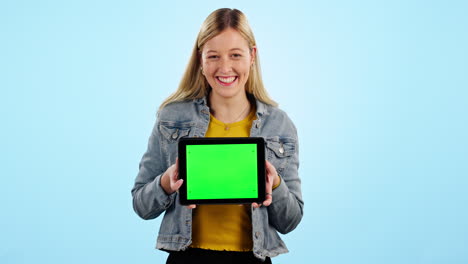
279,183
161,196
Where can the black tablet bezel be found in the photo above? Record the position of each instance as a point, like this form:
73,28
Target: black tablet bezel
260,142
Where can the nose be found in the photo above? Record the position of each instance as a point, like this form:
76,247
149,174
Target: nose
225,65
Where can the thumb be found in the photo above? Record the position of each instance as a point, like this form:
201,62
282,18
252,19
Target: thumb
177,184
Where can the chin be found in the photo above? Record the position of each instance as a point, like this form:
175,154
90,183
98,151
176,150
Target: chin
227,92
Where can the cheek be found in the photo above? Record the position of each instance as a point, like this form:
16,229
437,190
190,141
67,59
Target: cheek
245,66
208,68
245,72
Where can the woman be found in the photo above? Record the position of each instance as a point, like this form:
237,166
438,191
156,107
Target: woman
221,95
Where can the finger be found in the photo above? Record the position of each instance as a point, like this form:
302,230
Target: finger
174,176
268,173
177,185
270,168
268,200
255,205
192,206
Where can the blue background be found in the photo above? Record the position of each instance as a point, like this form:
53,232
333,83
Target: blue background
377,89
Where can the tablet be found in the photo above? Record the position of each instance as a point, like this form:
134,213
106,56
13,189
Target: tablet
222,170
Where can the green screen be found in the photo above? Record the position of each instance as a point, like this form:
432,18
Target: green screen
222,171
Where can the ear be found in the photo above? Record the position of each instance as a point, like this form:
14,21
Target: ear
253,54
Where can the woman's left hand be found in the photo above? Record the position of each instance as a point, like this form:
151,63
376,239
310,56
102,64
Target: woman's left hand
272,179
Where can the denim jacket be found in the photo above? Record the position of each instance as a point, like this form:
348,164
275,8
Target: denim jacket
190,119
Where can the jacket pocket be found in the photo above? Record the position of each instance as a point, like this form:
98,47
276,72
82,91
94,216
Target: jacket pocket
279,151
173,131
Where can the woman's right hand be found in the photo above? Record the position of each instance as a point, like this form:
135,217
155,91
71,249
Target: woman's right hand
170,181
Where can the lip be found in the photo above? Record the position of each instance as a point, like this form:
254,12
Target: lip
226,84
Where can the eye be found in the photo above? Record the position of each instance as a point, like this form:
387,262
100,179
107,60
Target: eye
212,57
236,55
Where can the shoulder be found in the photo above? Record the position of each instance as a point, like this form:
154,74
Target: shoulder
182,110
276,117
279,114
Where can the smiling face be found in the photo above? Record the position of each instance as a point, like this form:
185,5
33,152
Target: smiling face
226,60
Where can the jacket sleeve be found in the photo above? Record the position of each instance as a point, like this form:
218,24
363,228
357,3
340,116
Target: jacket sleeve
286,210
149,198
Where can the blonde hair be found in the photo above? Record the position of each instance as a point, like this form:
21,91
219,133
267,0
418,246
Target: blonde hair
193,84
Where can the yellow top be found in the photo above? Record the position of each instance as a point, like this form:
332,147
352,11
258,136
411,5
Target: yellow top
225,226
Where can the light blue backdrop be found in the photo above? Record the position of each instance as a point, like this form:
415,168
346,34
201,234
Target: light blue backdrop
377,89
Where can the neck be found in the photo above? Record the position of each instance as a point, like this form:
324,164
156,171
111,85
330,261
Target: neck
229,110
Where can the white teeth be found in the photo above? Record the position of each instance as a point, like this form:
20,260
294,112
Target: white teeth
227,80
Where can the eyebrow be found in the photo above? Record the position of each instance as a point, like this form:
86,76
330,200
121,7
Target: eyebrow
239,49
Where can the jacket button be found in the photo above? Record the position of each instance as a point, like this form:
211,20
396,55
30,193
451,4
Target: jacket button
174,136
281,150
257,234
